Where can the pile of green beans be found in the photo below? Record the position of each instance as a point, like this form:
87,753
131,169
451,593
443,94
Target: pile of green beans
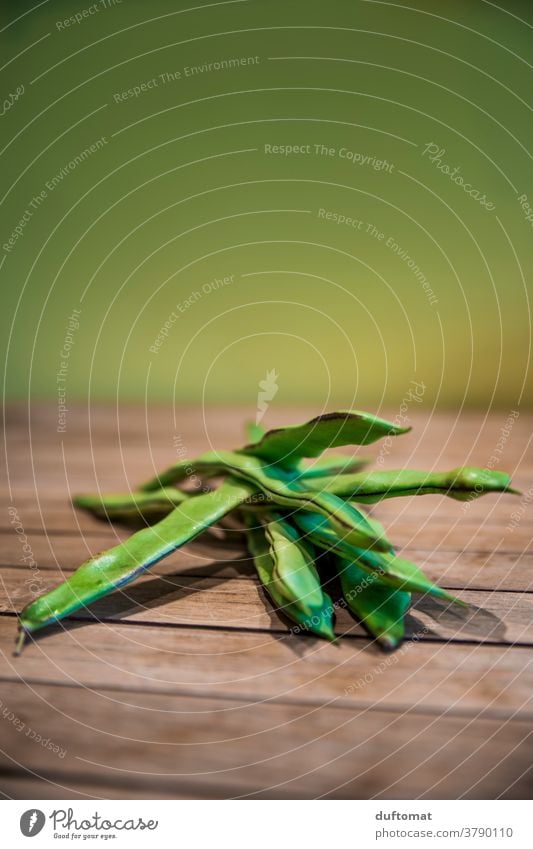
302,522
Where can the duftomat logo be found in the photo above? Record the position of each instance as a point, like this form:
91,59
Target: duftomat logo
32,822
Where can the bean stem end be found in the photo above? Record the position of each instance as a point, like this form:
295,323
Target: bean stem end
20,642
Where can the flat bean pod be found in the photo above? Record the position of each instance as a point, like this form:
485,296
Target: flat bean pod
285,446
462,484
392,570
294,570
125,562
333,464
132,505
320,622
380,608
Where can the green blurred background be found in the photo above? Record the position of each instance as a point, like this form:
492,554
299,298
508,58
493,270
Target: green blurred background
181,191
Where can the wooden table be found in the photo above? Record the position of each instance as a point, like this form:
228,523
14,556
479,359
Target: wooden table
188,685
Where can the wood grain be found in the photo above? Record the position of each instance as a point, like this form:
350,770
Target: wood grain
189,685
214,749
254,666
231,602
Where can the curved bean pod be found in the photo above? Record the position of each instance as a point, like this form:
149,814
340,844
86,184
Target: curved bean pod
321,620
392,570
380,608
285,446
282,487
294,571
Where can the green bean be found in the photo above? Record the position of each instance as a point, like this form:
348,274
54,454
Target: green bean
392,570
294,572
282,487
122,564
462,484
215,463
285,446
210,464
133,505
320,622
333,464
207,465
380,608
287,492
149,507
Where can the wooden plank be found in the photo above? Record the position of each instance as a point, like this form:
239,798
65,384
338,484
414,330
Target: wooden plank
140,439
18,783
456,538
141,461
451,427
208,747
504,617
67,551
146,450
406,534
483,569
28,462
498,570
54,511
422,676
